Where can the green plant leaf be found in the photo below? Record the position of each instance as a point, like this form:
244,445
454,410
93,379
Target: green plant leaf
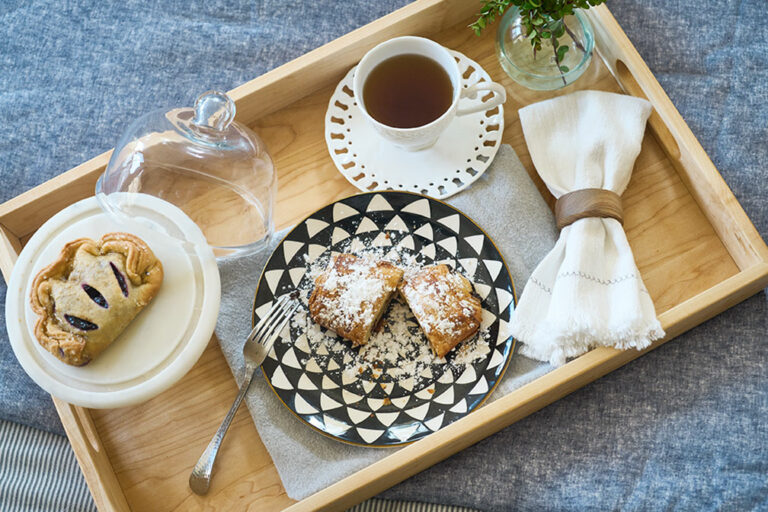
561,52
565,69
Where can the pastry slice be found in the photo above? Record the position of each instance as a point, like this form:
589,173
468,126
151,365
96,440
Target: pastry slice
444,305
90,294
351,295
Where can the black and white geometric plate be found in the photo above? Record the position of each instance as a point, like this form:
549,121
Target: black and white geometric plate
374,408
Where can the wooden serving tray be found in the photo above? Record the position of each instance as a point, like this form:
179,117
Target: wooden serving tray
695,247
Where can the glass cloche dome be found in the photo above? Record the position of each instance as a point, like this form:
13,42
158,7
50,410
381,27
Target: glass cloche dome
216,170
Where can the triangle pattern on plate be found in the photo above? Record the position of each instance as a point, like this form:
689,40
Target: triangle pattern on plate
467,376
446,377
290,248
369,435
302,406
327,403
312,366
407,243
476,242
279,380
451,221
480,388
449,244
289,359
314,226
418,413
356,415
264,309
302,344
504,298
341,211
406,384
419,207
496,359
366,226
494,267
314,251
401,401
446,397
379,204
296,275
306,383
375,403
460,407
328,383
482,290
425,231
357,245
367,386
469,265
486,319
381,240
347,404
338,235
425,394
396,224
435,423
335,426
387,418
350,397
405,432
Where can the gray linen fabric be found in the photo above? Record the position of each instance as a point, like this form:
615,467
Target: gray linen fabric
683,427
510,209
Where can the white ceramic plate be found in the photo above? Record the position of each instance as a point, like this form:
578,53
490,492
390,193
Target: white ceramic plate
164,341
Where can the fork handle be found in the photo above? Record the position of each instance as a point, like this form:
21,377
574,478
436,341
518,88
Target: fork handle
200,479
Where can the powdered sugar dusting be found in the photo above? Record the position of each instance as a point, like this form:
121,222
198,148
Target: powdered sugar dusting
353,288
398,350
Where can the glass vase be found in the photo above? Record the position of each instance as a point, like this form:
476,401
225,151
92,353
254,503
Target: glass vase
544,70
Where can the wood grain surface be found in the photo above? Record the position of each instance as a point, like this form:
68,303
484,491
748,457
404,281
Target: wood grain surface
695,248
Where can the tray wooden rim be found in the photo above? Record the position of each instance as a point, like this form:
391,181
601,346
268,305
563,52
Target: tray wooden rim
702,179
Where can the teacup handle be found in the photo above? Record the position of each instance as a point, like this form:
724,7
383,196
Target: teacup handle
500,96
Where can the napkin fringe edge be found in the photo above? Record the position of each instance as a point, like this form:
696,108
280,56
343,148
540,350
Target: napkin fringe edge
577,339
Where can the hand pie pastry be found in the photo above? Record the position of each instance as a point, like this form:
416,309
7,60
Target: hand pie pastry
90,294
351,295
444,306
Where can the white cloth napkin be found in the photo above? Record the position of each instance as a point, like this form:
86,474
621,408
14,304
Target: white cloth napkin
587,291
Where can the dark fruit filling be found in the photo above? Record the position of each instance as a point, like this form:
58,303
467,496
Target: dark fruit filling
120,279
79,323
95,296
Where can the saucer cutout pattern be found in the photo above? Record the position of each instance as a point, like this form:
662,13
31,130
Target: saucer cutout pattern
378,410
459,157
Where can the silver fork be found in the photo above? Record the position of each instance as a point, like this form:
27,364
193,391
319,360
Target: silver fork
257,346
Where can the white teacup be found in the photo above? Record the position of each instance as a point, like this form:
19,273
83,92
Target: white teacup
422,137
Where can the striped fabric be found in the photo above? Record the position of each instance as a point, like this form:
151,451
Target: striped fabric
378,505
39,473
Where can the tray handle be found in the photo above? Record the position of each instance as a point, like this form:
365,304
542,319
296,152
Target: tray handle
686,154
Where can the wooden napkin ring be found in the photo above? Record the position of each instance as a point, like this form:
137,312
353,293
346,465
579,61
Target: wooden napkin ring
588,202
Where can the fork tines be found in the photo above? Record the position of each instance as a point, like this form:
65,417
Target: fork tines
269,327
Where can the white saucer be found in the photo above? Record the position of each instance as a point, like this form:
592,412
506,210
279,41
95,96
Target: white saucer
164,341
459,157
